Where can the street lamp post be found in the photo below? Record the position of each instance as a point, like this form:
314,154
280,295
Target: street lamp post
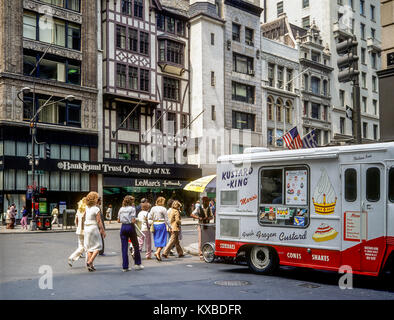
33,161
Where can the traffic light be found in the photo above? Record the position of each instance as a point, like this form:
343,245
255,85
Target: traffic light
48,151
348,60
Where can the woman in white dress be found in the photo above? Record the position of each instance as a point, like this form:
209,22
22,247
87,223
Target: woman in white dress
92,229
79,222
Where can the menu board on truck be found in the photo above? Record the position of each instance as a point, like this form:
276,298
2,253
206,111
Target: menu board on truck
297,187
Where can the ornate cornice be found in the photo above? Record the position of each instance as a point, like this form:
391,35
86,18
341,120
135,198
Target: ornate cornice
56,12
59,51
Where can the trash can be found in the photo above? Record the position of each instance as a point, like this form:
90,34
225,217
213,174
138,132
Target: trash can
69,218
43,222
208,241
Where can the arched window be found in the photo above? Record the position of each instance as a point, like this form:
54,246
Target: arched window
288,109
279,108
270,108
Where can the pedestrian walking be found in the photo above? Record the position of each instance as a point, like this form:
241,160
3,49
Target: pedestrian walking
55,215
169,208
174,218
8,218
24,218
147,237
108,213
127,217
79,222
204,215
13,216
158,221
93,229
101,253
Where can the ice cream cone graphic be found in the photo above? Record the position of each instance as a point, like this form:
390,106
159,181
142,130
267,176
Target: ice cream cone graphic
324,198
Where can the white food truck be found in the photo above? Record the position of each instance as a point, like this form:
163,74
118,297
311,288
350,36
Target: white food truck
318,208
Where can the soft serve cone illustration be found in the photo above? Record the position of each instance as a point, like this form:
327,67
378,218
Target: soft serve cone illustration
324,198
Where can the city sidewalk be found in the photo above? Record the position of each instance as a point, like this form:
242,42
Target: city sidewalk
108,226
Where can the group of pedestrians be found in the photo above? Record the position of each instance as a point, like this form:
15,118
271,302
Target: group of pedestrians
164,223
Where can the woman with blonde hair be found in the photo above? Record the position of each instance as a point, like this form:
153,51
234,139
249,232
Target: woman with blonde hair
158,220
93,226
127,217
174,217
146,238
79,222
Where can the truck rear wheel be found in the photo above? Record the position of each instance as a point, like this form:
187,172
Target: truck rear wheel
208,252
263,260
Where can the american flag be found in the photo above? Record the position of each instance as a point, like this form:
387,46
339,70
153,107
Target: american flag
293,139
310,140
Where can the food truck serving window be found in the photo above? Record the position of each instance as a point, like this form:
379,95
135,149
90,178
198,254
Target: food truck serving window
391,185
284,194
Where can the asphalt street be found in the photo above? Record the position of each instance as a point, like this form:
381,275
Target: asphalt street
22,256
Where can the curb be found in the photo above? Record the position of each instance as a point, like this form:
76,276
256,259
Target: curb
19,231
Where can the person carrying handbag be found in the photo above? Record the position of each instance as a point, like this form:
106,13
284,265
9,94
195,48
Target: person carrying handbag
174,218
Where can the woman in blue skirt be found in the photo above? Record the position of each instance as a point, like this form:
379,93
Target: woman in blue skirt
158,220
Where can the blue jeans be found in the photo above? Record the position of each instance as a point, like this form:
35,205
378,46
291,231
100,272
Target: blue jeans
127,232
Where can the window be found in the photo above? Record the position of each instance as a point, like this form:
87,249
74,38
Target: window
127,7
279,110
61,113
121,37
144,80
342,97
305,3
271,74
161,21
133,40
138,8
121,75
306,22
351,185
363,56
315,111
372,12
59,32
132,122
171,122
242,92
236,32
171,88
52,68
279,8
213,79
74,5
180,28
342,125
362,7
144,43
373,184
243,64
284,197
74,36
289,86
30,25
315,85
270,108
391,185
362,30
374,84
170,24
243,121
213,113
375,132
212,39
249,37
315,56
288,112
171,51
133,78
280,77
364,99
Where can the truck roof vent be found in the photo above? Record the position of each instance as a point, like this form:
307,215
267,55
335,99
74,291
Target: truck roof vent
256,150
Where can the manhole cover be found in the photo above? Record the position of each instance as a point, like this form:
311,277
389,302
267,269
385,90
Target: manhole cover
309,285
232,283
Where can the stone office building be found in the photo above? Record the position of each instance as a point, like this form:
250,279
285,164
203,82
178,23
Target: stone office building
61,36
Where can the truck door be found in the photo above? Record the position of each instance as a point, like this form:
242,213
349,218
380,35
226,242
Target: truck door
390,204
352,216
373,206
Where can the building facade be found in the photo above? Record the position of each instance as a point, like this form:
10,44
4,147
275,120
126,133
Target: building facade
46,54
226,85
146,98
280,82
386,75
337,20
